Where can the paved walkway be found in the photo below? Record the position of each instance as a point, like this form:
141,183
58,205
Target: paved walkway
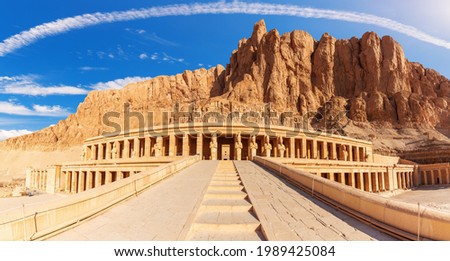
287,213
437,197
163,212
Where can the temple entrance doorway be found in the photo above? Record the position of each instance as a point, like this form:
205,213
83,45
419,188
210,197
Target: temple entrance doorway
225,151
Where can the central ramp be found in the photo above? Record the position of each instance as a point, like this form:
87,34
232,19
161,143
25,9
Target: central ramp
226,212
287,213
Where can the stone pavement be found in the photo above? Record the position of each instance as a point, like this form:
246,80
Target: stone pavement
287,213
437,197
162,212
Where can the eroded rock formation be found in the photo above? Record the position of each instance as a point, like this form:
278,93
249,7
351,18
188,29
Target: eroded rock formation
370,78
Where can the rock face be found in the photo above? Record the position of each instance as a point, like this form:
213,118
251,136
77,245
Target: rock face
370,78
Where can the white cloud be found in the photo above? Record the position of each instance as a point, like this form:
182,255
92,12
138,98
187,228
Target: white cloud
6,134
8,107
118,83
28,85
59,26
154,56
143,56
90,68
140,31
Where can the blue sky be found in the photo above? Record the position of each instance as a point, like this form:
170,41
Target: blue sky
45,75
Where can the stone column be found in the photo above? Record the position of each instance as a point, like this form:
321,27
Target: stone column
292,148
108,178
136,148
68,181
362,182
350,152
115,150
213,147
108,150
267,146
98,179
369,179
408,179
95,152
357,155
172,145
352,177
440,176
185,144
200,145
332,176
148,148
88,152
74,188
342,174
126,149
238,146
119,175
433,180
89,184
447,173
341,155
377,185
100,151
303,148
81,181
253,147
314,149
405,182
332,153
281,147
158,147
324,150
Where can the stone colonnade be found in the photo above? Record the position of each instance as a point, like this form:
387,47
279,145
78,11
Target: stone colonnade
242,147
435,174
367,178
76,181
36,179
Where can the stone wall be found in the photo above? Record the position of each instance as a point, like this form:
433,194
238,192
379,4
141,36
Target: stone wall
38,221
410,220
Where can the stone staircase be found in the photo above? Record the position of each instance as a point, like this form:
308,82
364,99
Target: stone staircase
226,212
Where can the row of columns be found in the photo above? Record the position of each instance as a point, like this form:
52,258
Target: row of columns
38,179
180,145
436,176
79,181
138,148
372,181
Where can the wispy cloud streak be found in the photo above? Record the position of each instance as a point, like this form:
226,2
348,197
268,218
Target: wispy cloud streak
81,21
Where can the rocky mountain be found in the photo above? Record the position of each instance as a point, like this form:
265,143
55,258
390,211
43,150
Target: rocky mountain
369,79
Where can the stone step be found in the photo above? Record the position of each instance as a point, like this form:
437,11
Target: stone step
225,188
227,177
226,205
226,222
217,194
226,236
226,182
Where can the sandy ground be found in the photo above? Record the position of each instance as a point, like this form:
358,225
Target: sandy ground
438,198
14,162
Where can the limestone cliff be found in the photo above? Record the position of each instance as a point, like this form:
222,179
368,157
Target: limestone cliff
369,78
